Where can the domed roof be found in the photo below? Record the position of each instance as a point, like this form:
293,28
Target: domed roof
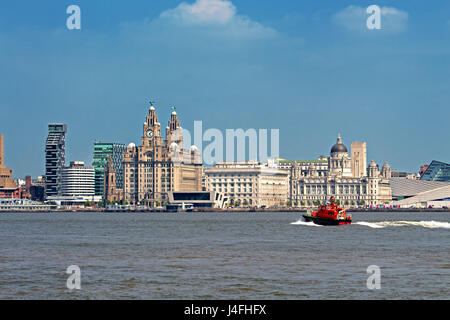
339,146
174,145
372,164
193,148
131,145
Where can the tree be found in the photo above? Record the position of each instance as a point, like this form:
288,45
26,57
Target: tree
245,202
296,203
362,202
289,203
346,202
302,203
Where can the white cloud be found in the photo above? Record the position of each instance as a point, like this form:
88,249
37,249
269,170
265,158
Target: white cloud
219,14
202,12
353,19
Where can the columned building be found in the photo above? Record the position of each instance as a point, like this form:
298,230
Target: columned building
248,183
344,179
160,165
55,158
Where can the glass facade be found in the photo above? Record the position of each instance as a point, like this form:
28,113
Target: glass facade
55,158
437,171
102,151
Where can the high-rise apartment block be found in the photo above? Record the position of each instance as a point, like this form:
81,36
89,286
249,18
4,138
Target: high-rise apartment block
55,158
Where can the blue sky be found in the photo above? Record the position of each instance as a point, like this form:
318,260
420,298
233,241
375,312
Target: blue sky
309,68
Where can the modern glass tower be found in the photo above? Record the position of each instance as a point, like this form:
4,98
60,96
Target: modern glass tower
437,171
55,158
102,151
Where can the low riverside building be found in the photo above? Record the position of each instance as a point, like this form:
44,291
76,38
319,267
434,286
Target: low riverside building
409,193
199,199
248,183
24,204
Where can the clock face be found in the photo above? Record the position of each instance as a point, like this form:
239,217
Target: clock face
150,133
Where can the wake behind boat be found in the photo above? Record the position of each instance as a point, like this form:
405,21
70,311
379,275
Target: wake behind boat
329,215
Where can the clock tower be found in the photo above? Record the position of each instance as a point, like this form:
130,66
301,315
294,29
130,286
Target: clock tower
151,135
160,165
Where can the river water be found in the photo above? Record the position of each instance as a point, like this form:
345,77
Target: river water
223,256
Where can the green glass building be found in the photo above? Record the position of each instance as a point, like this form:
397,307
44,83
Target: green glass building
102,151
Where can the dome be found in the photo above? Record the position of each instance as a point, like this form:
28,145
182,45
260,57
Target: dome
131,145
173,145
174,113
386,165
339,146
193,148
152,108
372,164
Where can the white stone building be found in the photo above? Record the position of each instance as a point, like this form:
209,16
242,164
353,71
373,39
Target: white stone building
334,177
248,183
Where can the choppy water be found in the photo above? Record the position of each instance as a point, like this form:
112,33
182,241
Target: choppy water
223,256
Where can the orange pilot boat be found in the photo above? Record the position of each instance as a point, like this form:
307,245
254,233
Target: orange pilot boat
329,214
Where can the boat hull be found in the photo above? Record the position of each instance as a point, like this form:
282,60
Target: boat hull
326,221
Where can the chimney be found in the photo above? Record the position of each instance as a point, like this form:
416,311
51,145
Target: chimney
2,161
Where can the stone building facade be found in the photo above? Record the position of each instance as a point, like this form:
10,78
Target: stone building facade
111,192
8,187
343,179
160,165
248,183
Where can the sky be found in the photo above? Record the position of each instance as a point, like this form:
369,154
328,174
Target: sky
311,69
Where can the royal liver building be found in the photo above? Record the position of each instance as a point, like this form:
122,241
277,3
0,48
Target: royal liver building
160,165
339,175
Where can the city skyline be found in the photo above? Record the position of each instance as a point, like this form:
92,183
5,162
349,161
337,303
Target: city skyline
312,62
